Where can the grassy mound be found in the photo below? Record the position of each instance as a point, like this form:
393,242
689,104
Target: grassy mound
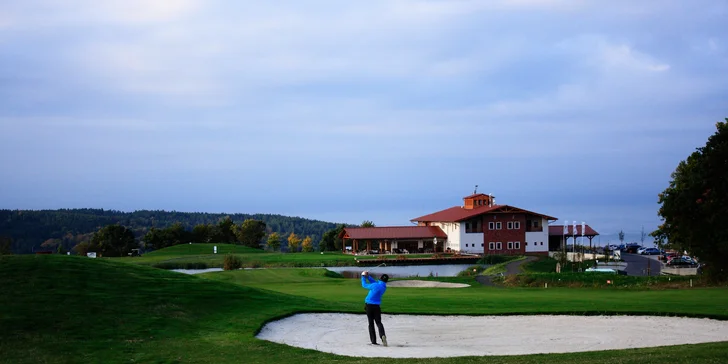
201,256
76,309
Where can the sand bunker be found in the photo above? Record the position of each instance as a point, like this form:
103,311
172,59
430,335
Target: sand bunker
447,336
425,284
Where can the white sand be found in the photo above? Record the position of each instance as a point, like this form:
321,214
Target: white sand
447,336
425,284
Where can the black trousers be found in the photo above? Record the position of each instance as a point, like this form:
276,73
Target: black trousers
374,314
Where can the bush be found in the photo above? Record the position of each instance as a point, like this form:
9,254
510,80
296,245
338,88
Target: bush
471,271
232,262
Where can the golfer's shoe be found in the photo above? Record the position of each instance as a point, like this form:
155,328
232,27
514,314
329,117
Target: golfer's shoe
374,344
384,340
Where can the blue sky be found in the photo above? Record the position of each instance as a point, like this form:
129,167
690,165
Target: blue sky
382,110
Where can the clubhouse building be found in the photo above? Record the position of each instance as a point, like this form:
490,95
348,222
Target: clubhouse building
479,226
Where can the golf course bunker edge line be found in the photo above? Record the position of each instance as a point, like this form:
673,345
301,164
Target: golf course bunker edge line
427,336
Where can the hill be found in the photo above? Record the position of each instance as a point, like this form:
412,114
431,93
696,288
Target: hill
29,229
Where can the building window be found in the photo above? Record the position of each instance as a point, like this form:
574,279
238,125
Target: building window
498,246
535,223
474,226
542,243
491,226
525,244
510,245
491,246
498,225
481,245
517,245
517,225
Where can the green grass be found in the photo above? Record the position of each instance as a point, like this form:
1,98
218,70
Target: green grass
500,267
548,265
61,309
202,256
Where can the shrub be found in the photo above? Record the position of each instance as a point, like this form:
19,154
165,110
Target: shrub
472,270
232,262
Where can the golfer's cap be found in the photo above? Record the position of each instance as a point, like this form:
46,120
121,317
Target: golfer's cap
384,277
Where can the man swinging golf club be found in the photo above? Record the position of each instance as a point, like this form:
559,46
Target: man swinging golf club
373,302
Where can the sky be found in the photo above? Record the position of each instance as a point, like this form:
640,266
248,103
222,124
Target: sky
381,110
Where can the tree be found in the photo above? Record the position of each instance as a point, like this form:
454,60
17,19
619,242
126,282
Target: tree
113,241
330,240
203,233
274,242
367,223
154,239
251,232
643,235
177,234
307,245
694,206
225,233
621,237
6,245
293,243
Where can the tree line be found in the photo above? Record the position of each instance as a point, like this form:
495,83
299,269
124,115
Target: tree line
28,231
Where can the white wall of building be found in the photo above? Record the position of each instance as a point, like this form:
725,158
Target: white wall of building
471,243
452,229
535,238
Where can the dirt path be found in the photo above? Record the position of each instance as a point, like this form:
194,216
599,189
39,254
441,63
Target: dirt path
512,268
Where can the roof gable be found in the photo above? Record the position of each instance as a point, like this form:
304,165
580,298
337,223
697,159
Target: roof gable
458,213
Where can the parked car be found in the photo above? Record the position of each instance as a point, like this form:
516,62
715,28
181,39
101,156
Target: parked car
651,251
667,256
632,248
641,249
682,262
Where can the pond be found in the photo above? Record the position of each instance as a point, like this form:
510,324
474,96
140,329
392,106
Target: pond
444,270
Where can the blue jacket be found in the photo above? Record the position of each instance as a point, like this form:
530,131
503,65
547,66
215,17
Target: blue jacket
376,290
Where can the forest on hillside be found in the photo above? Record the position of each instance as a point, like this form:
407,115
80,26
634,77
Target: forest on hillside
42,230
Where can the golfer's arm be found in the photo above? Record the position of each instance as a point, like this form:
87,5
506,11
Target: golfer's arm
365,284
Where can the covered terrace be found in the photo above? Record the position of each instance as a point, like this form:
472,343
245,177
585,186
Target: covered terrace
393,239
557,238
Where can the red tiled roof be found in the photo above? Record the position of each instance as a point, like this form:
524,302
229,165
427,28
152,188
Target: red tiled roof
456,213
459,213
394,232
558,230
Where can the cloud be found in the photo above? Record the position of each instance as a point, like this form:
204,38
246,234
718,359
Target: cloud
34,14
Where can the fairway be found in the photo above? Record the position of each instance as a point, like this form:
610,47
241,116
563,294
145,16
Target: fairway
58,309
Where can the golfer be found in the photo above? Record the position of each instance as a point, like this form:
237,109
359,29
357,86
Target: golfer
373,302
